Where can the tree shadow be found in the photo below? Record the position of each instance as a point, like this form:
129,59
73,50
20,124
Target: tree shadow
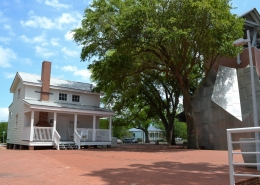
150,148
167,173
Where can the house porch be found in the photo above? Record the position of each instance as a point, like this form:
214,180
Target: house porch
83,129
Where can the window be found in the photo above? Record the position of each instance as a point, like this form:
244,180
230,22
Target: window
75,98
18,93
63,96
16,120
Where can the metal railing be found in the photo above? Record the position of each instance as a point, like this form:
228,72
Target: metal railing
42,133
232,173
56,139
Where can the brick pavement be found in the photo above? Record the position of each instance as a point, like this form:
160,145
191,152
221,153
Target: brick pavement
131,164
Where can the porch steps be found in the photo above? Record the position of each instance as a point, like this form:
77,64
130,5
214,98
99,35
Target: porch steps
68,146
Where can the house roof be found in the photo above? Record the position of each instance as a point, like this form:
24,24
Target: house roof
150,129
252,23
35,80
72,107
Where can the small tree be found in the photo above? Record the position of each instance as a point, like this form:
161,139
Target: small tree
3,127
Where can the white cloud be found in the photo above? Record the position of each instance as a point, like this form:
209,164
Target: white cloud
7,27
70,53
38,39
9,75
44,52
6,55
66,18
69,68
37,21
45,23
5,40
83,73
56,66
54,41
58,76
26,61
4,112
56,4
69,35
2,17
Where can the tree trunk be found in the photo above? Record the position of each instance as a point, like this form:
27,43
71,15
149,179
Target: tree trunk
169,135
173,136
146,136
191,125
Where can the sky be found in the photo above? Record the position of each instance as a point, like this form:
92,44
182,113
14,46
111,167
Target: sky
40,30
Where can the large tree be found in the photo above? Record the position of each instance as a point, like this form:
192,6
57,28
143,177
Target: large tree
181,38
138,97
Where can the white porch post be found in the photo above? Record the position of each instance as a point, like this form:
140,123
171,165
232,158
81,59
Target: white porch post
75,122
94,128
54,123
32,124
110,128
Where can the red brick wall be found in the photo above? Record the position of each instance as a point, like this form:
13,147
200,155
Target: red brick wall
232,62
45,78
256,59
43,120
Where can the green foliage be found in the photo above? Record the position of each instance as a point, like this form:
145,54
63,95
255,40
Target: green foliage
180,129
3,127
121,132
179,39
119,127
104,123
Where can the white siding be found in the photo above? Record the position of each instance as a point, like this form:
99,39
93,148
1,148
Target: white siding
26,108
31,94
85,98
17,108
27,119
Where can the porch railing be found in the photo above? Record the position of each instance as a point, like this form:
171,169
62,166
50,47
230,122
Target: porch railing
43,133
85,134
77,138
102,135
230,142
56,139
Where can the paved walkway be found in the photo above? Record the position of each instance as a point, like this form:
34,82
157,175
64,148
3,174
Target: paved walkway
131,164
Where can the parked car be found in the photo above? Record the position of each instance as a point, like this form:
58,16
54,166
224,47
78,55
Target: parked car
134,141
127,140
119,141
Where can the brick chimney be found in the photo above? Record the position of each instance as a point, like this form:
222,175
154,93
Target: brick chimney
45,78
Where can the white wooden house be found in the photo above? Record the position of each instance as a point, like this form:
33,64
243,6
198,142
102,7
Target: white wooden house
53,112
154,134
